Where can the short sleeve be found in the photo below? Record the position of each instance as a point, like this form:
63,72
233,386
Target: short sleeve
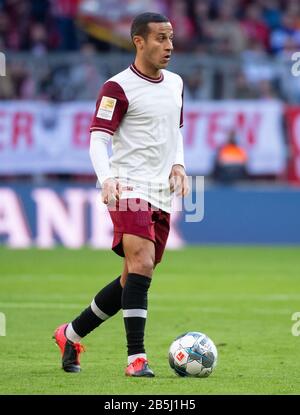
111,106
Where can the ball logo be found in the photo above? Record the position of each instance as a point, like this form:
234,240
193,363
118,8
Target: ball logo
180,356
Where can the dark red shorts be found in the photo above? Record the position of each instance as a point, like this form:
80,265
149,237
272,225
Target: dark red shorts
144,222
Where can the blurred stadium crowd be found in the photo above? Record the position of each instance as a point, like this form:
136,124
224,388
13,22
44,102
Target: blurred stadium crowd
238,49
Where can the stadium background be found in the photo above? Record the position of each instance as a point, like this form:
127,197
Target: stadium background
236,61
235,57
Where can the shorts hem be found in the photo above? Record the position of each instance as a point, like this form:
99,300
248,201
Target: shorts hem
118,246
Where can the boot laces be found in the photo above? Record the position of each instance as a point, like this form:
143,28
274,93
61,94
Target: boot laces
139,362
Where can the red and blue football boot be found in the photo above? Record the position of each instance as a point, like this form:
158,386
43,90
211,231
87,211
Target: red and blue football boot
139,368
70,351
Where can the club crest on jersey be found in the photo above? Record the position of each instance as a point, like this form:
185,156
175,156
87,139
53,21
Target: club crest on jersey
106,108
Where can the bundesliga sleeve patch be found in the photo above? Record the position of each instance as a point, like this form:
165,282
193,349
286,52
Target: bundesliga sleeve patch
106,108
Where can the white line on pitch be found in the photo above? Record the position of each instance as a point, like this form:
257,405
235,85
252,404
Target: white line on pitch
217,310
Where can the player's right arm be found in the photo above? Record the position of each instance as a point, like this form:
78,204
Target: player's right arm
98,153
111,106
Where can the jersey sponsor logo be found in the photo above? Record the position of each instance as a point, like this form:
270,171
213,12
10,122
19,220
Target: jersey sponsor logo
106,108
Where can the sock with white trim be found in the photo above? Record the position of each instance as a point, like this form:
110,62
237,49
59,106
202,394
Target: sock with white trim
105,304
134,305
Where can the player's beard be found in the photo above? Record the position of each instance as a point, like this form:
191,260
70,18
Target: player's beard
158,63
162,64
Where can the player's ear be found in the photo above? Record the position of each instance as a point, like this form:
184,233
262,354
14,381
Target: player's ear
138,41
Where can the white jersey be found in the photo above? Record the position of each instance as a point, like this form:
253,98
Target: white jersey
144,116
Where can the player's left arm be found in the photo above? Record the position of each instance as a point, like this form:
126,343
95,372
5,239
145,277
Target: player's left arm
178,179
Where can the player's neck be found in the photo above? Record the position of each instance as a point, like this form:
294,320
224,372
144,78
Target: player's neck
147,70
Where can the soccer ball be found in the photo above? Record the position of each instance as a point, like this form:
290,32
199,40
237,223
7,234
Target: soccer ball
193,354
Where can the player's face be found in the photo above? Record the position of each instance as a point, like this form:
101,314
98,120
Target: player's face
158,45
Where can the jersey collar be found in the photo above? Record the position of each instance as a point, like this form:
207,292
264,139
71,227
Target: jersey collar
147,78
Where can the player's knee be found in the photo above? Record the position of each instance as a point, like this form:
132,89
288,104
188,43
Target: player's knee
142,264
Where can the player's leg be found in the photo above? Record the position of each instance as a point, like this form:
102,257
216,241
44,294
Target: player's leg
103,306
124,273
140,260
142,256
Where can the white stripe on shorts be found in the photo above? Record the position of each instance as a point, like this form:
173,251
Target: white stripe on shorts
99,313
135,312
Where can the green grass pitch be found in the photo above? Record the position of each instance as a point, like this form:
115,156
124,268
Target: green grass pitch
241,297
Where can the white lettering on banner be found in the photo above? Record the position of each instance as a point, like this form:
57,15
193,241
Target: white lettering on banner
175,240
63,217
55,138
12,220
54,218
101,227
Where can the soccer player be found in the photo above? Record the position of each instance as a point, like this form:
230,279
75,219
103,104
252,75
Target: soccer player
141,110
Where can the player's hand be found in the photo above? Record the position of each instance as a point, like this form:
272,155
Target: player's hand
179,181
111,191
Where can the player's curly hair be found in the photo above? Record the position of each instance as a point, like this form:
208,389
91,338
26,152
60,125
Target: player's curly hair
140,26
